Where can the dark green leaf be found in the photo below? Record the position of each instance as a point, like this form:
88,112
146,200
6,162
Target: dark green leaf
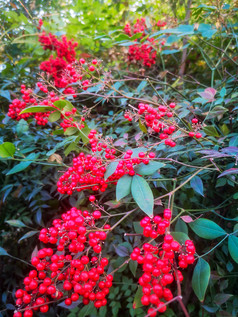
137,299
233,247
123,187
181,237
148,169
207,229
7,149
200,280
142,194
133,267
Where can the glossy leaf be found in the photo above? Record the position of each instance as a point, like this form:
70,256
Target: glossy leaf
3,252
60,104
37,109
148,169
207,229
16,223
111,169
197,185
142,194
7,149
233,247
181,237
123,187
200,280
211,130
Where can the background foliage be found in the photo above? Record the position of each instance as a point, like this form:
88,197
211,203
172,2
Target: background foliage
200,52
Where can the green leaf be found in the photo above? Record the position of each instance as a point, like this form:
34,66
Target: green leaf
37,109
142,126
16,223
111,169
71,131
60,104
216,111
122,37
3,252
23,165
7,149
233,247
142,194
133,267
54,116
200,280
148,169
123,187
84,134
19,167
142,85
28,235
207,229
181,237
211,130
22,127
137,299
138,150
197,185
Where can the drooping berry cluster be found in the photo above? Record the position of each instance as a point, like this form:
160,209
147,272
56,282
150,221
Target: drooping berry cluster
88,172
78,270
161,263
144,52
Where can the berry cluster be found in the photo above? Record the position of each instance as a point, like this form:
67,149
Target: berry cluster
143,52
88,172
196,126
159,263
78,270
158,120
29,100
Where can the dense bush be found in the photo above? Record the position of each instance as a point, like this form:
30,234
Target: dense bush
119,151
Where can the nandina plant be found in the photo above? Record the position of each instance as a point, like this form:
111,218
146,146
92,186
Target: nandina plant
74,265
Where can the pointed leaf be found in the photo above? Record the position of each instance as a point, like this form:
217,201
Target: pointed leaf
137,300
16,223
142,194
37,109
200,280
60,104
7,149
3,252
207,229
123,187
142,126
233,247
229,172
28,235
181,237
111,169
54,116
148,169
19,167
197,185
